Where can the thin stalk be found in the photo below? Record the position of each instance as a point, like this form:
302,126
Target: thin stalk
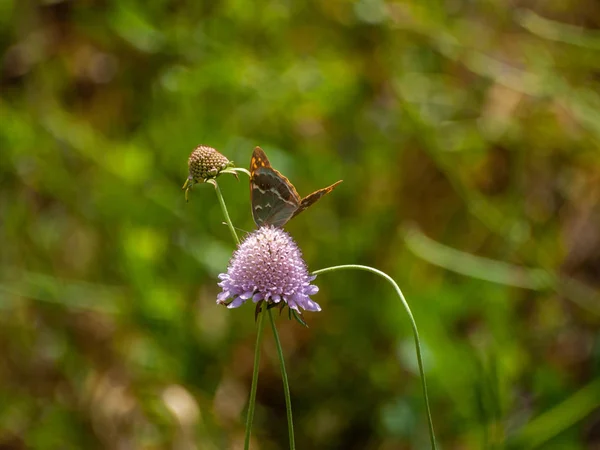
252,401
286,385
225,213
414,328
241,169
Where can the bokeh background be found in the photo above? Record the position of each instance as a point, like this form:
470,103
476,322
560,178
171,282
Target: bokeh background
468,138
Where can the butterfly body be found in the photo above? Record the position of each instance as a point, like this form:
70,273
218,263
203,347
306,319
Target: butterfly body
274,198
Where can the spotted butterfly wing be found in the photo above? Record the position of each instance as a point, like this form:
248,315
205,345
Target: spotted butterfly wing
274,199
312,198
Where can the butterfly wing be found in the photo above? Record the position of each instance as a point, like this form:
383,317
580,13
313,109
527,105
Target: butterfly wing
312,198
274,198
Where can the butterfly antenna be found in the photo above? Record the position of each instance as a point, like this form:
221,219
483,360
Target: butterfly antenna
239,229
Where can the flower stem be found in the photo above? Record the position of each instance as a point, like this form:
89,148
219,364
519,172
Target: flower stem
225,213
241,169
252,401
414,328
286,385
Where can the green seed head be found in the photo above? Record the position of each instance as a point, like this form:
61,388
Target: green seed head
206,162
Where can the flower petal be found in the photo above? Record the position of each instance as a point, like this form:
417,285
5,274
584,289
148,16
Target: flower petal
222,296
235,303
309,305
311,290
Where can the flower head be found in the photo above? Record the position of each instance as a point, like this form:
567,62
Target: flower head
268,266
205,164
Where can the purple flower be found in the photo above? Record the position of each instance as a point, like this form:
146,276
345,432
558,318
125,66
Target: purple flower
268,266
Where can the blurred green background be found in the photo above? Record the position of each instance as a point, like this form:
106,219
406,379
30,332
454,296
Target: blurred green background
468,138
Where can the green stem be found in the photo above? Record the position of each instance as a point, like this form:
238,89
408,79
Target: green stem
225,213
261,323
241,169
414,328
252,402
286,385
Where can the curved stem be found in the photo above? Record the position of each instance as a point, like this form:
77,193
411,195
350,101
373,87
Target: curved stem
286,385
225,213
241,169
252,401
414,328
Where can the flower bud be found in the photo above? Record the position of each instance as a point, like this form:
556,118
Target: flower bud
206,162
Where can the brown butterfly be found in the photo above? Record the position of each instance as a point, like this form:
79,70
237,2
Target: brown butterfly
274,199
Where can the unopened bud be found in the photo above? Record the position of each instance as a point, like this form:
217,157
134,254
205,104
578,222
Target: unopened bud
205,163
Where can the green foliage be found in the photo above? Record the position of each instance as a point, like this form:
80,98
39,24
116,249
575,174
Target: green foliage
467,135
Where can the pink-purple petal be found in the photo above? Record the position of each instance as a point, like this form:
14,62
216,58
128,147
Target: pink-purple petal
222,296
235,303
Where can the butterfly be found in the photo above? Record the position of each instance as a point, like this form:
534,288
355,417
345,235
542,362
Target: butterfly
274,199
